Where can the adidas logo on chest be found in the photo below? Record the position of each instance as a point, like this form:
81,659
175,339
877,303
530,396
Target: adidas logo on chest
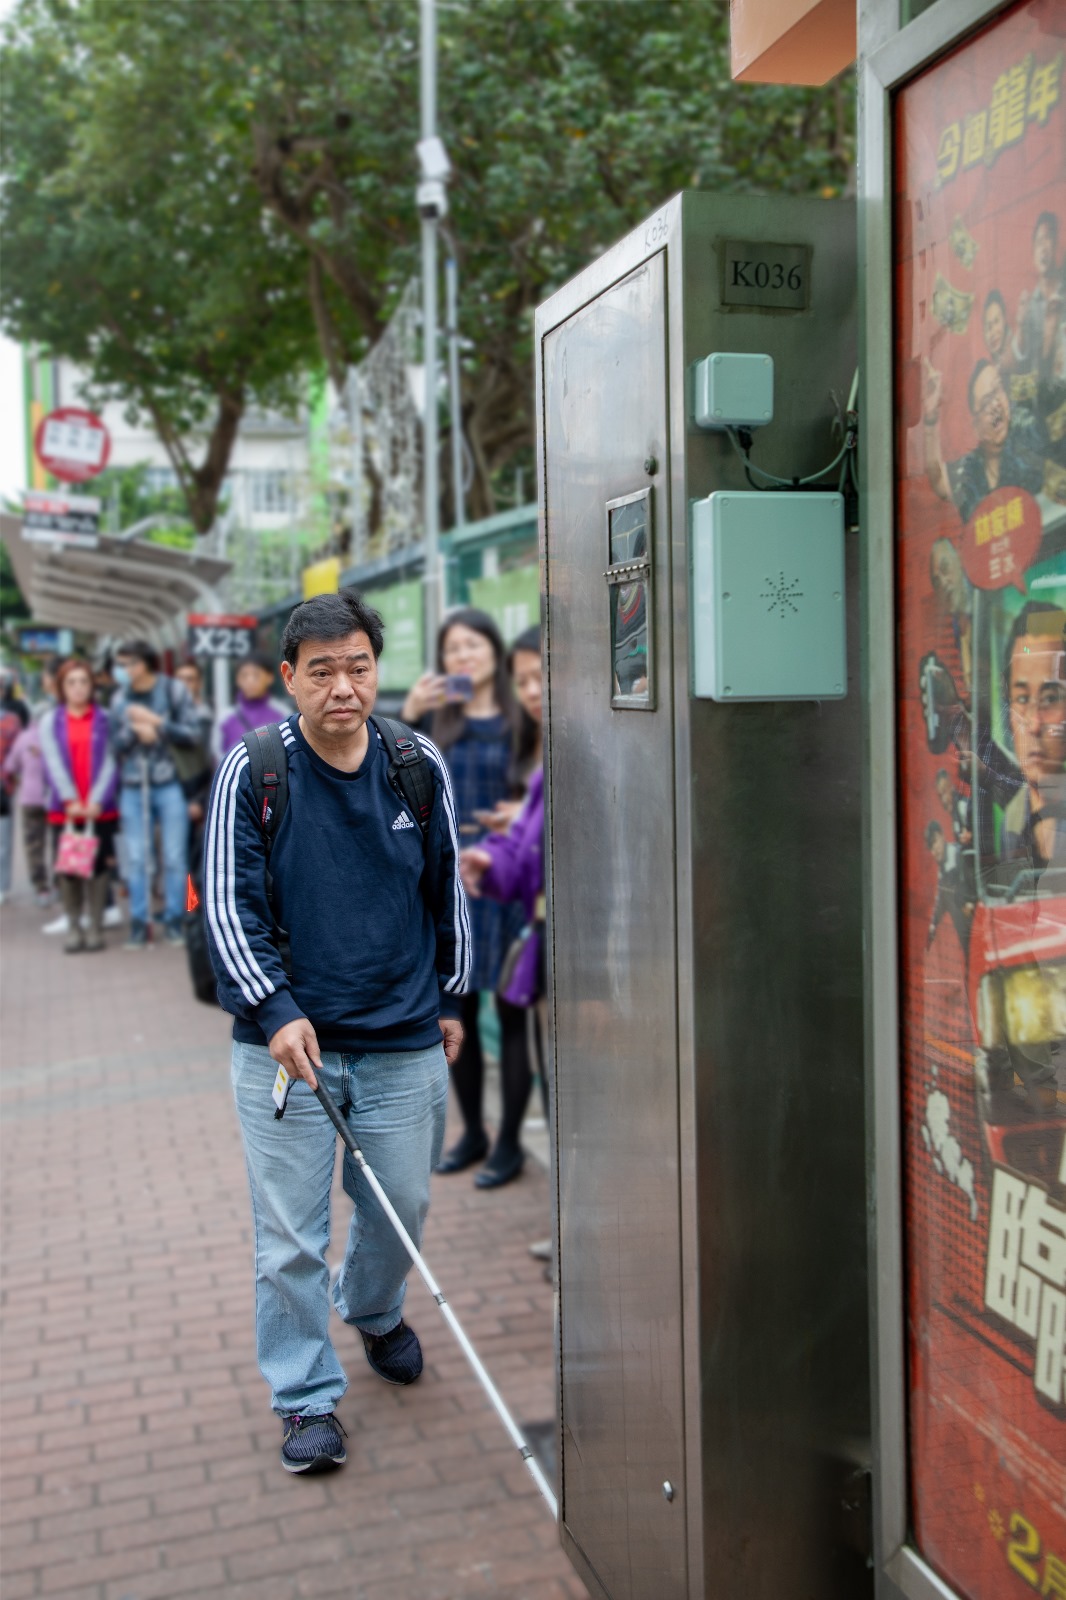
402,821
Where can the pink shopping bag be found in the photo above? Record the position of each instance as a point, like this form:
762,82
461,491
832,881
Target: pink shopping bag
76,856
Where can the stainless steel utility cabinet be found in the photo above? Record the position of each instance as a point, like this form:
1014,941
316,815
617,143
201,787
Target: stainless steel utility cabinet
705,962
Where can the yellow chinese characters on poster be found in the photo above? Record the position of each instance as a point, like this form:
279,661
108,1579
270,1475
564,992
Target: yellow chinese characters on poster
980,334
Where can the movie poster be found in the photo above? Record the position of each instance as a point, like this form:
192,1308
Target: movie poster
980,241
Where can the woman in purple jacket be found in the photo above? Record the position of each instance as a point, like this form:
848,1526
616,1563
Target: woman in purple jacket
82,778
509,865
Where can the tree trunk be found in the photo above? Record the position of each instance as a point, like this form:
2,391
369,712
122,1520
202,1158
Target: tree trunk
208,478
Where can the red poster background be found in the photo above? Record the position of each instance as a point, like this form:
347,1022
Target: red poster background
987,1450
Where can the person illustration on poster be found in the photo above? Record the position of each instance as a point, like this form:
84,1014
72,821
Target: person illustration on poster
952,895
958,806
1040,340
954,597
1007,454
1034,821
996,329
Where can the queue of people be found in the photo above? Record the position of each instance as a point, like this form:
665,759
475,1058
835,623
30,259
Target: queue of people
109,773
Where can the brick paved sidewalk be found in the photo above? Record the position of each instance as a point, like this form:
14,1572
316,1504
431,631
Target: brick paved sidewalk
139,1451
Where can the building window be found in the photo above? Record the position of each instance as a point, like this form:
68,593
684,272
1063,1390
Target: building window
271,492
159,480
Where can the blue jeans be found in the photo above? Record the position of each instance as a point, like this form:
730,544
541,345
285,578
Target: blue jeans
397,1101
167,807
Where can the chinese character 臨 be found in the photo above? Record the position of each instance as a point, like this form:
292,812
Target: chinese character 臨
1051,1344
947,156
982,529
1004,1242
1043,1247
1015,512
1044,90
1006,113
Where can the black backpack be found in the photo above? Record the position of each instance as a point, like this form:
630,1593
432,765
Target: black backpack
268,768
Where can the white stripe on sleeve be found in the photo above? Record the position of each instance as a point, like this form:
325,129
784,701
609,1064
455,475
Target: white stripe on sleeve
457,982
220,884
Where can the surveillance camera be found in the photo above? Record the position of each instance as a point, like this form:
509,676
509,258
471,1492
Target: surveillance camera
432,200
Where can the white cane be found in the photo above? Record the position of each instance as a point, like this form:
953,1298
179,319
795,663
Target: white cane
146,817
330,1107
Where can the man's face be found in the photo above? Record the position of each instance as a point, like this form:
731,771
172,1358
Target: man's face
949,583
943,789
140,677
1038,706
334,684
1043,251
938,848
991,408
995,329
191,679
254,681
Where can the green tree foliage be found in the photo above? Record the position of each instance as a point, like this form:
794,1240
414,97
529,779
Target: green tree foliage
13,607
135,245
129,496
294,121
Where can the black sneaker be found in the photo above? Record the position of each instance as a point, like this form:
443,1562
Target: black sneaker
395,1356
137,938
312,1444
174,933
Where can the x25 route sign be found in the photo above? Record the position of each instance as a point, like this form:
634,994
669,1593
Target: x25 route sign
218,634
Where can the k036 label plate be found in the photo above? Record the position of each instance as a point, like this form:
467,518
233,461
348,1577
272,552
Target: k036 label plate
775,276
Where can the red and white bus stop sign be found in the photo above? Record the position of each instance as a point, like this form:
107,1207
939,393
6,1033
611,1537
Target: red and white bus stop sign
72,444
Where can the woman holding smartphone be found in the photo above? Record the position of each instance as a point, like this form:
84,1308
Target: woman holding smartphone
469,711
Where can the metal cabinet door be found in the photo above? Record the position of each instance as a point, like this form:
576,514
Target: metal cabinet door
613,905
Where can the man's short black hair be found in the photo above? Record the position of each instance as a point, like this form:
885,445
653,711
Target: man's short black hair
932,831
140,650
1048,220
974,375
332,616
995,298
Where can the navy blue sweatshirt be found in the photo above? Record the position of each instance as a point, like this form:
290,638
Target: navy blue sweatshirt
377,922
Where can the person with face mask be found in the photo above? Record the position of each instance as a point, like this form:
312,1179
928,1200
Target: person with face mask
150,715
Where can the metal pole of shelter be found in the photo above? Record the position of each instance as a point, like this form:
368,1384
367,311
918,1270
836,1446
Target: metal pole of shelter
451,279
221,697
432,598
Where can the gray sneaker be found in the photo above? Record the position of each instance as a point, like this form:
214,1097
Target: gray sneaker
137,938
312,1444
174,933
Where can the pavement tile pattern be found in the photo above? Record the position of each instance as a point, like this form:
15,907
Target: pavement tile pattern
139,1454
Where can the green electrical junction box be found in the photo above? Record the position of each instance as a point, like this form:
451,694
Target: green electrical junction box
768,596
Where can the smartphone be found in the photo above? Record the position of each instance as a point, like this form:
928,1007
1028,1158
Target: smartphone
458,688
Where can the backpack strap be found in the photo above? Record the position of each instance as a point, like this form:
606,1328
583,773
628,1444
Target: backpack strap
268,769
409,770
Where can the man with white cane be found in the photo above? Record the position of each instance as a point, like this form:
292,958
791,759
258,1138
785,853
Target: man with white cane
339,938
